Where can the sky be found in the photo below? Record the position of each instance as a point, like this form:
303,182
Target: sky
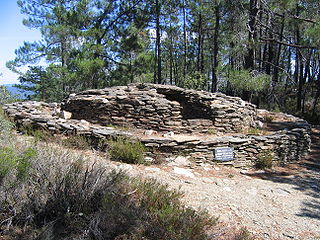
12,35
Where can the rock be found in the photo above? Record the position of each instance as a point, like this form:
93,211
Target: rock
184,115
152,169
65,115
149,132
84,122
182,109
180,161
227,189
148,159
259,124
184,172
125,167
244,172
168,134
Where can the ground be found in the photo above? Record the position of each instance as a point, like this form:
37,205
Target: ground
282,203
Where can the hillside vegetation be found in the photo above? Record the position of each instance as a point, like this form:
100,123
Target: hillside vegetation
267,52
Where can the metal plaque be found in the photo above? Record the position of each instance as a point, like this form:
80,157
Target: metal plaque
223,154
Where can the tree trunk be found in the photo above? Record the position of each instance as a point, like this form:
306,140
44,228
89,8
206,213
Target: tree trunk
185,41
157,75
249,63
277,60
199,53
215,48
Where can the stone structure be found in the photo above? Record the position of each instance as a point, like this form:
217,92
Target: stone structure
289,142
163,108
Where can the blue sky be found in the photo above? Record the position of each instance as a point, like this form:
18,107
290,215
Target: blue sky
13,34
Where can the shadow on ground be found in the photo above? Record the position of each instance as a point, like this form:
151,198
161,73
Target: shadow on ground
305,176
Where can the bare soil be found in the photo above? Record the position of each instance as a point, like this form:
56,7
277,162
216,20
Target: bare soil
282,203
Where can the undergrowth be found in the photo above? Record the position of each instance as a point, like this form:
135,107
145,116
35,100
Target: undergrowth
126,150
66,197
265,159
49,192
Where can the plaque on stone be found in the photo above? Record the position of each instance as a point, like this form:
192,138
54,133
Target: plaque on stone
223,154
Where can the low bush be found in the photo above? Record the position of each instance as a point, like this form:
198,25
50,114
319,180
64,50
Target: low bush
10,161
264,159
126,150
38,134
65,197
77,142
6,127
254,131
268,119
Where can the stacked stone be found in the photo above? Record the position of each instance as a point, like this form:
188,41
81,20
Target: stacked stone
48,117
162,107
288,144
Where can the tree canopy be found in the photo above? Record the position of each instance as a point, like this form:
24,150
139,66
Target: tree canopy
265,51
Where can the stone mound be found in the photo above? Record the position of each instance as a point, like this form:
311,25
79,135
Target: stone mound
171,120
163,108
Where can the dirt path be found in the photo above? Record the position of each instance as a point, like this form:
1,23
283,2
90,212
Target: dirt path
280,204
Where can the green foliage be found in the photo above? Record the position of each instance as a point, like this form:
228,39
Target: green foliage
126,150
11,160
244,80
264,159
195,81
268,119
212,131
254,131
6,96
8,161
24,162
38,134
169,219
5,125
66,194
77,142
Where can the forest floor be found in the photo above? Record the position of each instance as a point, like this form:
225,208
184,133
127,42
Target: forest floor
282,203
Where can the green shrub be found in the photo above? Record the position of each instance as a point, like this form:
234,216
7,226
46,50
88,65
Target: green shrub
5,126
24,163
149,210
77,142
38,134
67,196
212,131
8,160
264,159
268,119
244,235
125,150
254,131
20,162
6,96
168,217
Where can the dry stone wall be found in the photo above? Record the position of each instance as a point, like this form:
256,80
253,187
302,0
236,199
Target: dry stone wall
288,144
163,108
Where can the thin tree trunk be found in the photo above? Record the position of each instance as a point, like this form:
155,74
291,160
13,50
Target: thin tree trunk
249,63
158,78
277,60
185,41
199,54
215,49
